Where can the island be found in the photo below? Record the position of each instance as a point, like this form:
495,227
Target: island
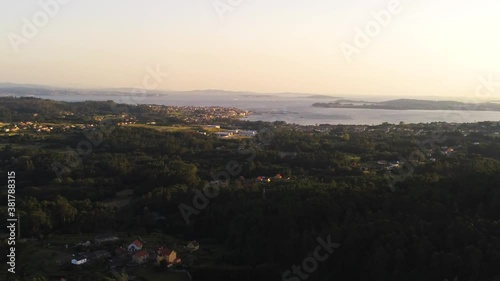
411,104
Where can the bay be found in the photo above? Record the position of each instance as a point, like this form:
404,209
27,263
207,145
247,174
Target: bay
299,110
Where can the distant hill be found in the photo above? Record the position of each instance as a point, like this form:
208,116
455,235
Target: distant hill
14,85
321,97
412,104
43,90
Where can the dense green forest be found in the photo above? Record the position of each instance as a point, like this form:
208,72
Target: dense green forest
404,202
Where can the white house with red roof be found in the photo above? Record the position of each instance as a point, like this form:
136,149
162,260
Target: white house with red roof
135,246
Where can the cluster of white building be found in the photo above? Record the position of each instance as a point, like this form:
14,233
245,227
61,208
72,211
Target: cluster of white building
242,133
230,133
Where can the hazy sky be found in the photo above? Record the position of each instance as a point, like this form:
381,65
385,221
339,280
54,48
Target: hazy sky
431,47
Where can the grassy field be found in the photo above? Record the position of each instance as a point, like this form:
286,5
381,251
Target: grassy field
353,158
118,202
70,239
39,261
122,199
168,128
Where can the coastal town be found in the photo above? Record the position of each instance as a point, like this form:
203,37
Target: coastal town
138,195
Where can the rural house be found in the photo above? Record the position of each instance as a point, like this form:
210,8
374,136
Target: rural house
193,246
140,257
79,260
135,246
167,255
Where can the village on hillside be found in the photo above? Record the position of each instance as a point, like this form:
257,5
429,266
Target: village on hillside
110,252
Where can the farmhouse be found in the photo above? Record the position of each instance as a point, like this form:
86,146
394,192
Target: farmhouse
140,257
193,246
135,246
79,260
167,255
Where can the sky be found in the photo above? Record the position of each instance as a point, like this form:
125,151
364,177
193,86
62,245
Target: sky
416,48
